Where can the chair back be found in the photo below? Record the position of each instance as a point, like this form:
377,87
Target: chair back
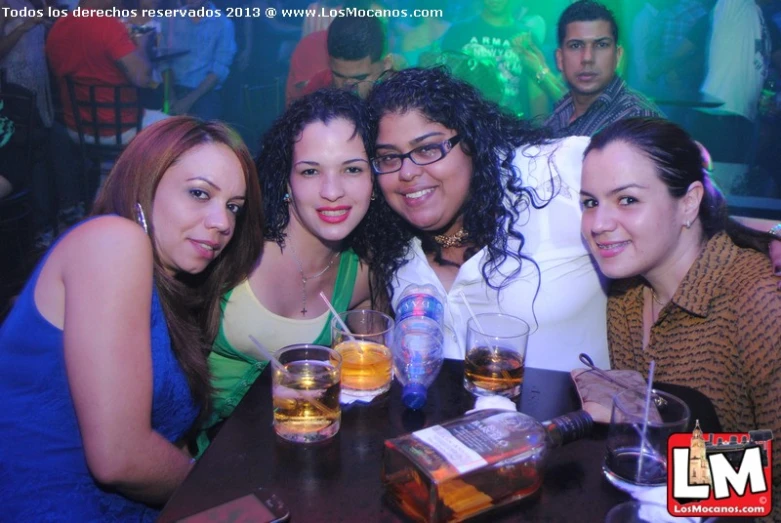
111,111
19,106
16,209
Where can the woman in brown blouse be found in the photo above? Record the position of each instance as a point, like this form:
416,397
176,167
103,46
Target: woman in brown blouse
694,289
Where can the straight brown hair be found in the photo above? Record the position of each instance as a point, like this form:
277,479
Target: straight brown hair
191,303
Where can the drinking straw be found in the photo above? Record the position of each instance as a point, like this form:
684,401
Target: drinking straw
342,324
281,368
471,312
643,442
505,374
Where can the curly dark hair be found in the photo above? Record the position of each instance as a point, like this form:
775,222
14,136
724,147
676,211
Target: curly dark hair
275,159
490,136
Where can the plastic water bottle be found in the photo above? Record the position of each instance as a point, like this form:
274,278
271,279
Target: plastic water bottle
417,354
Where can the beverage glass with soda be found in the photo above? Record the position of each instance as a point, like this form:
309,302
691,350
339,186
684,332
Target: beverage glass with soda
306,393
495,354
365,351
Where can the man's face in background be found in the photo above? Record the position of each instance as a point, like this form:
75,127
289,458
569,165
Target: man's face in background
356,75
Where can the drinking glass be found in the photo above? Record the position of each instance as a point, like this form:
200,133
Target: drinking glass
306,393
495,354
638,456
366,355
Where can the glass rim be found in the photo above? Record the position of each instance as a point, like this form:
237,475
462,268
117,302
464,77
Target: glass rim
308,346
343,315
621,404
472,325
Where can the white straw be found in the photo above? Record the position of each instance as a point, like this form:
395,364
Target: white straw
341,322
643,443
472,313
480,328
306,395
267,354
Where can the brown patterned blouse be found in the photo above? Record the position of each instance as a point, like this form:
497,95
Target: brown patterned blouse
720,334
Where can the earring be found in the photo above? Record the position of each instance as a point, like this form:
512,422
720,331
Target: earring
688,224
286,198
140,218
374,196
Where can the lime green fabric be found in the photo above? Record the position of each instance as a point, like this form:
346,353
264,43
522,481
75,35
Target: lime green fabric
233,372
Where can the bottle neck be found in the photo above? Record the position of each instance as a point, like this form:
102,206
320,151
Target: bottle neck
568,428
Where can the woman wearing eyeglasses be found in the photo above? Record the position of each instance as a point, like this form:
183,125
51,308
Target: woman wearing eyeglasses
481,205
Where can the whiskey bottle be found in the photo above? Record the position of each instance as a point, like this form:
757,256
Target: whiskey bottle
475,463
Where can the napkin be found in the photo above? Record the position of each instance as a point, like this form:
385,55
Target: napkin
658,496
493,402
345,398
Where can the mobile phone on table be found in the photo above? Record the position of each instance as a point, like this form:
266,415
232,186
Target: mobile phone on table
259,506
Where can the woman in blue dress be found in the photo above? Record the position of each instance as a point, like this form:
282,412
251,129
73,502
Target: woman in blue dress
103,369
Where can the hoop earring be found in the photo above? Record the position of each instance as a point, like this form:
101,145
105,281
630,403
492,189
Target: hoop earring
374,196
286,198
141,218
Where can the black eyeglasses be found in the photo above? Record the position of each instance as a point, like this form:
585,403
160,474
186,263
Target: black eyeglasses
423,155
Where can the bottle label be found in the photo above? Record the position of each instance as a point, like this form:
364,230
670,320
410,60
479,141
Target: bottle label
475,441
461,457
420,304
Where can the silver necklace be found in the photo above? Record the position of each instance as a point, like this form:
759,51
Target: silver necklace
305,278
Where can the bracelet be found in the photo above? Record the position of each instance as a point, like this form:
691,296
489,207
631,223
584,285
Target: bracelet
775,230
541,74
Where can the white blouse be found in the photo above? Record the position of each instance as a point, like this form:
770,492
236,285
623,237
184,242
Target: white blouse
567,315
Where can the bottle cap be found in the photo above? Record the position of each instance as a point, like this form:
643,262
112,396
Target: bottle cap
414,396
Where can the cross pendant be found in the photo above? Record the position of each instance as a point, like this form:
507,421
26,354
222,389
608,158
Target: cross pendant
303,311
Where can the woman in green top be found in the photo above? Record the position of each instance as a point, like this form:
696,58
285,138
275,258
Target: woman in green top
317,188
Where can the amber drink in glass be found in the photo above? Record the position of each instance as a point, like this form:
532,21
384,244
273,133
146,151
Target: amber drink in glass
495,355
366,357
306,393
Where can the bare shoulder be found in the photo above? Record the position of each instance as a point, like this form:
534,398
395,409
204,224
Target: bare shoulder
107,241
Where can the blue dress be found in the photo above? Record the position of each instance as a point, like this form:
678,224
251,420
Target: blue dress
43,469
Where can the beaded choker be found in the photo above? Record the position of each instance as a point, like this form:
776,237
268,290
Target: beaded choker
447,241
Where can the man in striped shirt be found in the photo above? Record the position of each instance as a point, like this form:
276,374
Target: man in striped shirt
587,56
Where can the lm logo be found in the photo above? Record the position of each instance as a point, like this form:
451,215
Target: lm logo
724,473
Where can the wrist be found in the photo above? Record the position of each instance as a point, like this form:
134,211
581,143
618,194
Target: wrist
775,231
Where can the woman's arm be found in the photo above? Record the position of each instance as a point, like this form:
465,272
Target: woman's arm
8,41
107,276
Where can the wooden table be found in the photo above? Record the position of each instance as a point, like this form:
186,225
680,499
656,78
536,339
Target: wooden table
340,479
